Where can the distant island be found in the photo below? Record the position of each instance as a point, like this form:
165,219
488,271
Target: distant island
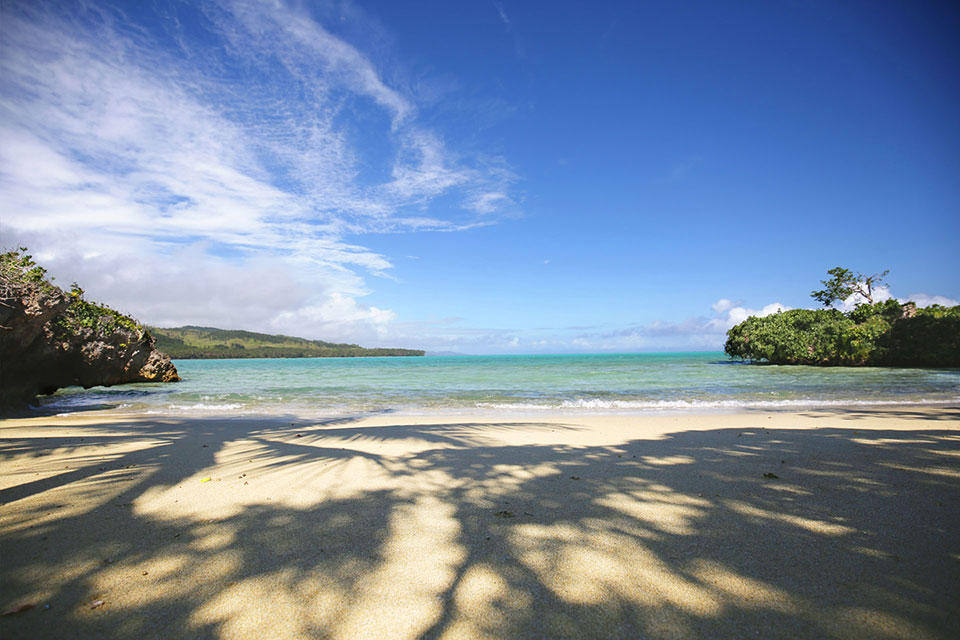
202,343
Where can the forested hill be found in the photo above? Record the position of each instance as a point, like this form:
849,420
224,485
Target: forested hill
190,342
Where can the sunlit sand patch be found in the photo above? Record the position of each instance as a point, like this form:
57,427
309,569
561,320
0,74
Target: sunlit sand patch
89,493
249,472
49,578
787,488
667,460
862,622
124,586
596,568
843,471
740,591
873,553
64,463
371,445
814,526
673,515
942,452
485,603
889,441
933,471
261,607
401,597
738,453
213,537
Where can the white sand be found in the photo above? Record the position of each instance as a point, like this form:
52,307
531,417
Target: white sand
563,526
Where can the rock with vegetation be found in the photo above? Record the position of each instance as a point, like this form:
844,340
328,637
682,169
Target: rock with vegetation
882,334
207,342
50,338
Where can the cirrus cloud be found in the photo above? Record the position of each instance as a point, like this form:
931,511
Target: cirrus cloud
214,178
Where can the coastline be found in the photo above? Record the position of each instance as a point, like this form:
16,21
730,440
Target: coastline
502,385
484,524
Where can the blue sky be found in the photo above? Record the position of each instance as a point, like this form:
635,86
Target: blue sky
483,177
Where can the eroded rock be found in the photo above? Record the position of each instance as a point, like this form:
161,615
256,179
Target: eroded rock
51,339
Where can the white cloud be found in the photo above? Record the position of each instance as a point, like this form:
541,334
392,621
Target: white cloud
502,13
722,305
729,316
883,293
880,294
215,183
329,317
487,202
925,300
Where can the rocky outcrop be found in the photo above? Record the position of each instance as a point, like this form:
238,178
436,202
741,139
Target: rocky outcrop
51,339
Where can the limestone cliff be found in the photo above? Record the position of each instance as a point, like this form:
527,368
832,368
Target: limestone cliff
50,338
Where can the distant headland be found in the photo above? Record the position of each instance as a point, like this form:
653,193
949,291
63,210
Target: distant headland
200,343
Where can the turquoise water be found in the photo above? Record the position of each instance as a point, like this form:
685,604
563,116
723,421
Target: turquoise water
575,383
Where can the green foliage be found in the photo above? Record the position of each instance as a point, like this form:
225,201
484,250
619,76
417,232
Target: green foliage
18,273
192,342
931,338
99,319
881,334
844,283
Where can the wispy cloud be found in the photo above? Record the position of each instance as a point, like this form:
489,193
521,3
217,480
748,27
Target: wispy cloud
926,300
502,13
508,26
883,293
246,156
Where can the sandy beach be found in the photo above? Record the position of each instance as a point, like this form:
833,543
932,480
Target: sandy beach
841,523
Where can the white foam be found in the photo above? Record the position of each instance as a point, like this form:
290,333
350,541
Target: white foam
201,406
597,404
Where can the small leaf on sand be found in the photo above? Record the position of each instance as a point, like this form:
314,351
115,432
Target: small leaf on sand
16,610
96,604
205,480
505,514
772,476
574,477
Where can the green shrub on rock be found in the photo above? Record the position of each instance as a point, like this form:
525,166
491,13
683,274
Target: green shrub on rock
881,334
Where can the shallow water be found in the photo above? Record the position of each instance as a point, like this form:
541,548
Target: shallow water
579,383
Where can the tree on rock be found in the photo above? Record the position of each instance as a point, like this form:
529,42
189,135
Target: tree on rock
845,283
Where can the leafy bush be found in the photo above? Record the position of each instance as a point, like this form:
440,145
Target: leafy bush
19,275
97,318
18,272
881,334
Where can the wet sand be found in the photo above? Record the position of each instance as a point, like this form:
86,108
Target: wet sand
841,523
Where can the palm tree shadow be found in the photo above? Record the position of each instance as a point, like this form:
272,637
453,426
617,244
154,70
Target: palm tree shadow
817,533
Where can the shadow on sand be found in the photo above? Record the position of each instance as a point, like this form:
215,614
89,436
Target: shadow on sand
434,531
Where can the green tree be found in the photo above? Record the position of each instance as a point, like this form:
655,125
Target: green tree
844,283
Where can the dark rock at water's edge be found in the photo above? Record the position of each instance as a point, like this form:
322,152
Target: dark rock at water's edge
51,339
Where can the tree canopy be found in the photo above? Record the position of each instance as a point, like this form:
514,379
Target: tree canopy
884,333
844,283
881,334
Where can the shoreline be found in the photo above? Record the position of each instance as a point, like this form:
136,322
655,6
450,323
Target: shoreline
831,522
519,412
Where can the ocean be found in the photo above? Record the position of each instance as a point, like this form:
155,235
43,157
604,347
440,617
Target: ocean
607,383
